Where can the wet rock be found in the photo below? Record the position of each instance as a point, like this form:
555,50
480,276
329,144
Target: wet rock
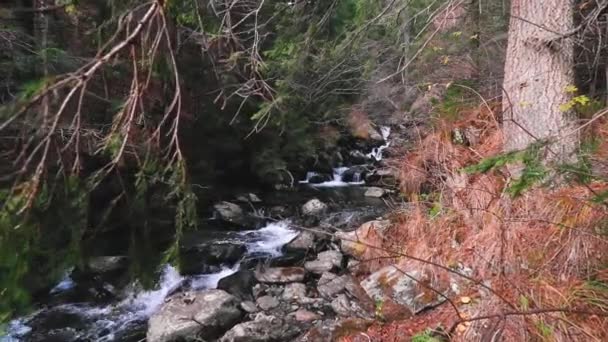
107,264
249,306
330,284
279,211
249,198
398,285
262,328
304,315
357,157
384,177
239,284
318,266
267,303
374,134
356,243
354,174
280,275
318,178
205,314
259,289
206,251
304,241
374,192
350,219
294,291
346,307
230,212
314,207
325,262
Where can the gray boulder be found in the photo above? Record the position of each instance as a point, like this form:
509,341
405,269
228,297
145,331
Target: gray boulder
262,328
398,285
280,275
303,242
267,302
347,307
205,314
304,315
106,264
249,198
314,207
330,284
374,192
230,212
326,261
294,292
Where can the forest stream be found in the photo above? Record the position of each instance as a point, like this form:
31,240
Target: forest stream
243,232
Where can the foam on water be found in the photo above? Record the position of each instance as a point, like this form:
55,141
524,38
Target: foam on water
210,281
270,239
338,180
105,323
16,330
66,283
376,152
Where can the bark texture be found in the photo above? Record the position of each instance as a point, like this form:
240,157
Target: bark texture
538,69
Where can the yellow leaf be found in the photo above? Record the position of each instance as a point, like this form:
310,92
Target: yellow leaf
70,9
564,107
465,300
571,89
457,34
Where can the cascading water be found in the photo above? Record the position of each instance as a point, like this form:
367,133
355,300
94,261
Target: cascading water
376,152
131,312
338,173
337,181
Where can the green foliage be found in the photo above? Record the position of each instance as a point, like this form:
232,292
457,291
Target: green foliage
524,303
36,245
425,336
533,170
184,12
454,100
544,329
581,171
379,305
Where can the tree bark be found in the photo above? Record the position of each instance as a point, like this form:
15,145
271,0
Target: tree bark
41,31
539,67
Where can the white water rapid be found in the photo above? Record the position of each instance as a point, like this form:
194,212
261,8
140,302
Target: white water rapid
110,322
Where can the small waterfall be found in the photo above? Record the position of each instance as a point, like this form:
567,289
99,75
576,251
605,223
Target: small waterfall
376,152
338,180
309,176
270,239
210,281
108,322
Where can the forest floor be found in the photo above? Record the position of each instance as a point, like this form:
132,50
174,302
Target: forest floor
536,248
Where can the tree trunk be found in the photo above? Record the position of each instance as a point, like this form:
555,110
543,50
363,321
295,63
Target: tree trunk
539,67
41,32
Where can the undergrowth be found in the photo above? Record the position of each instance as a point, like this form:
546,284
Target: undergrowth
537,247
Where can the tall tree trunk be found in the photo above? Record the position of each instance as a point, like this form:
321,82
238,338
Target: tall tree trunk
539,67
41,32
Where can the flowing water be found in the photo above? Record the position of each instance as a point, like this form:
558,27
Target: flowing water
125,317
117,320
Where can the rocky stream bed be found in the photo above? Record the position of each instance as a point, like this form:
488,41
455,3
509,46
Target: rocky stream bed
272,266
